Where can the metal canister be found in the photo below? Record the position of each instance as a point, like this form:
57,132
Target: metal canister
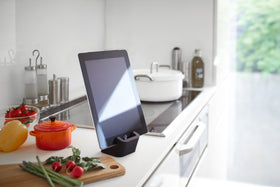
54,91
64,89
176,58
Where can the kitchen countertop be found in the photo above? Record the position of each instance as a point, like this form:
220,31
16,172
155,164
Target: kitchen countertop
150,151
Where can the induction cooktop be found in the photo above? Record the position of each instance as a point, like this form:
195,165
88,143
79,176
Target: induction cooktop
158,115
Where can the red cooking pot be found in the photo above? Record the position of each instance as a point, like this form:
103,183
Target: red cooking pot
53,134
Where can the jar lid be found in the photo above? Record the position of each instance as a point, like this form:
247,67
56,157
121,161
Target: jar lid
29,68
42,66
52,126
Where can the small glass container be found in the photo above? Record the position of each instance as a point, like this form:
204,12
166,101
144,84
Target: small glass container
30,85
42,80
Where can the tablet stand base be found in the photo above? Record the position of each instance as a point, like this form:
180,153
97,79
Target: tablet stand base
123,147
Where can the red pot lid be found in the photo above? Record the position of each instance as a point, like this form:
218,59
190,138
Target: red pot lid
52,125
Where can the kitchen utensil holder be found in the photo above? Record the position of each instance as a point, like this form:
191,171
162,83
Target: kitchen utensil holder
123,146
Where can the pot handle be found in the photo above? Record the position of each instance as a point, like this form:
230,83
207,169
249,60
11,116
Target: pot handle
73,127
33,133
137,77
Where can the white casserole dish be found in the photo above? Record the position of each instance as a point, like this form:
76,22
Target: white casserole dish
164,85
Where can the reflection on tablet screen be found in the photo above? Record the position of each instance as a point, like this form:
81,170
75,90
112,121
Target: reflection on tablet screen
113,97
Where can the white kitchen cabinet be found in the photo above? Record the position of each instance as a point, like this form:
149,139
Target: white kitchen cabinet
215,158
178,166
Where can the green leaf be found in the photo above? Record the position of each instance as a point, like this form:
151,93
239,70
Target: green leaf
258,42
87,163
52,159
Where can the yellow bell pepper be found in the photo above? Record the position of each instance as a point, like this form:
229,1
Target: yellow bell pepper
12,136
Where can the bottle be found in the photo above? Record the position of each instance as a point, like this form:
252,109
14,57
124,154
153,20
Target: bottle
30,85
197,70
42,80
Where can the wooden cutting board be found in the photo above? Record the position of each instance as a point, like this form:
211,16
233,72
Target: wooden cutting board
13,175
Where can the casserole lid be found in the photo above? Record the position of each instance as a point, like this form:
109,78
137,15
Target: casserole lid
52,125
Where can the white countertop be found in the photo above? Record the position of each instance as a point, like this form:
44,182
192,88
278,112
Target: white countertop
139,165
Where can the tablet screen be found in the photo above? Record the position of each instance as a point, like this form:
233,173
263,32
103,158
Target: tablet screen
112,94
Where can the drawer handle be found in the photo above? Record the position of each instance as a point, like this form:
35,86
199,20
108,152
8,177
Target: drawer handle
193,138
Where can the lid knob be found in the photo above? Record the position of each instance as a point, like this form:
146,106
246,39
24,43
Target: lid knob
52,118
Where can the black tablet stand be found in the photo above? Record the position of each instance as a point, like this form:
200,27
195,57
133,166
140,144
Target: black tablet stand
123,146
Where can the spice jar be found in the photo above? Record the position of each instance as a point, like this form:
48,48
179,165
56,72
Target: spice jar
42,80
30,85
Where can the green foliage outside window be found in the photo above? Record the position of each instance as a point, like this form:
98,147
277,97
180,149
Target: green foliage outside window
258,43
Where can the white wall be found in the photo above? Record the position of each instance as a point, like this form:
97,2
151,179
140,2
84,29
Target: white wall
150,29
7,51
60,29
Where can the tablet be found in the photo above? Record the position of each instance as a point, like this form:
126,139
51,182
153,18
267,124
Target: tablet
113,98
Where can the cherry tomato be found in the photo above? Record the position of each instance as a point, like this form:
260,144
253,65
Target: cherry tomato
26,113
77,171
22,120
23,109
19,112
13,113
